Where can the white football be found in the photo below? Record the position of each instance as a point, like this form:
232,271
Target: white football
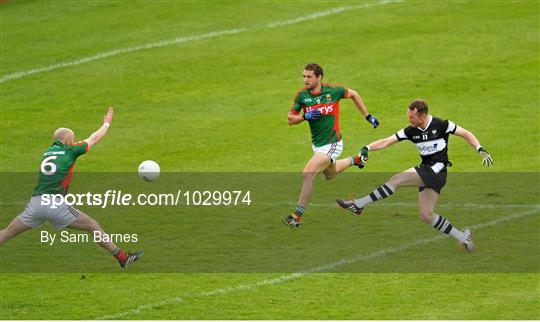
149,170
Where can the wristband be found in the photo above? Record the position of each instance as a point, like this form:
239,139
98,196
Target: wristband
478,148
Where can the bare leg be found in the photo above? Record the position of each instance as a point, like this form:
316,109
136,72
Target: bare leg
334,168
315,165
427,199
407,178
85,222
13,229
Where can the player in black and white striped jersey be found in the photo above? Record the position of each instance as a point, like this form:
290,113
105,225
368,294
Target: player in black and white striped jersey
430,135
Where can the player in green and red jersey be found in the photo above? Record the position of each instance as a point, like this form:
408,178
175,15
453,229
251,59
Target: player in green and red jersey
55,176
320,105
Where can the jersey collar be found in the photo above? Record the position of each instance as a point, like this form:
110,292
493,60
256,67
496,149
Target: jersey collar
319,92
428,124
57,142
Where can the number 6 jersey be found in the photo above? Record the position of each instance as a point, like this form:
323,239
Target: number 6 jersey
57,167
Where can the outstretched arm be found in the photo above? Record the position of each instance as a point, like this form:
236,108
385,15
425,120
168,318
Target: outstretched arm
362,107
383,143
473,141
374,146
95,137
468,136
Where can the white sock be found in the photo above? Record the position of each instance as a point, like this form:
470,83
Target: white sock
360,203
442,224
381,192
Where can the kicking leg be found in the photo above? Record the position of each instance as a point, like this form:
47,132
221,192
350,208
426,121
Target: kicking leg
85,222
408,178
13,229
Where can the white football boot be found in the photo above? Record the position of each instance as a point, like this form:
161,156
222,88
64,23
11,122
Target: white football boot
467,241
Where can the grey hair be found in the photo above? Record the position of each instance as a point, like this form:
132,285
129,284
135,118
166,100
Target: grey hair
62,133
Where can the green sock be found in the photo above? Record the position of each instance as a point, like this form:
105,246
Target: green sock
299,210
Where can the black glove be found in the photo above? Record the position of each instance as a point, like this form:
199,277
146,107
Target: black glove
363,157
487,158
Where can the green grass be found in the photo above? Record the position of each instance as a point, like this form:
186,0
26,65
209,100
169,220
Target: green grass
318,296
220,105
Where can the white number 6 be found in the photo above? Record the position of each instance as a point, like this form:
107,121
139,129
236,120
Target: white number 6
50,165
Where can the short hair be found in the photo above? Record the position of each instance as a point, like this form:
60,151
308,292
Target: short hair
419,105
61,133
316,68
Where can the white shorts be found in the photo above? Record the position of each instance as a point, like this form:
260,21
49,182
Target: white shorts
36,213
333,150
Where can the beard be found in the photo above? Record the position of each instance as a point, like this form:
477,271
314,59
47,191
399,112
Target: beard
312,86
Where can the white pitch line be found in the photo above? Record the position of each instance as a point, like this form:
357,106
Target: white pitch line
117,52
329,12
179,40
293,276
405,204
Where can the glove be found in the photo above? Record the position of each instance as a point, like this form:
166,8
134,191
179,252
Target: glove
312,115
363,157
488,159
373,120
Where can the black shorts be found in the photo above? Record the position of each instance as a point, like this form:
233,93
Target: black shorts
432,179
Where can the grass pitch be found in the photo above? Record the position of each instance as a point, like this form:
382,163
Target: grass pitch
218,103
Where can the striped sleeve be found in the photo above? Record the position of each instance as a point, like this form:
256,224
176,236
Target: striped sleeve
451,127
401,135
